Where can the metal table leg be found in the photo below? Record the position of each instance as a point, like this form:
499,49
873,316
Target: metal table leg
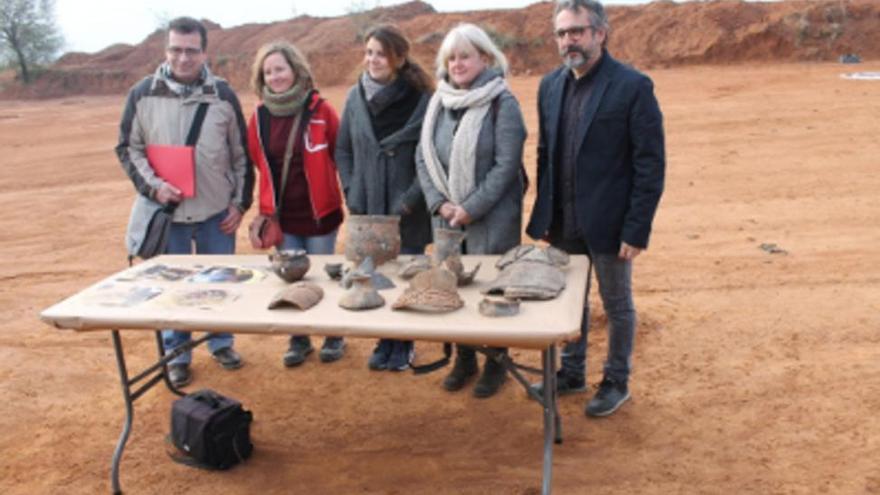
551,416
159,372
552,420
129,413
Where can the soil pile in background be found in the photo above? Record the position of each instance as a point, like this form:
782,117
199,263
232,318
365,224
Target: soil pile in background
658,34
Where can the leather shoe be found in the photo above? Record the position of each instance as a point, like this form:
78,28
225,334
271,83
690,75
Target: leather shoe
493,377
299,350
464,369
332,350
228,358
610,396
179,374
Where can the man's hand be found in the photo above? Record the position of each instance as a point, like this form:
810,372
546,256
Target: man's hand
168,194
628,252
233,219
460,217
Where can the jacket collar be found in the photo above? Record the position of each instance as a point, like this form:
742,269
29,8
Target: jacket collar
163,83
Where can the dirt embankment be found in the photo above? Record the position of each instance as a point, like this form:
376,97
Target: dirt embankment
659,34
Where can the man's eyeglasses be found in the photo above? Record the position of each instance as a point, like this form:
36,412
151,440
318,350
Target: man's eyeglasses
574,31
178,51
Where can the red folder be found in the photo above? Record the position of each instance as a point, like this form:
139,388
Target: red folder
175,165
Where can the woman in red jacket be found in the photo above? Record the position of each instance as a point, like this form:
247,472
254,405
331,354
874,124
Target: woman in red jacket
291,139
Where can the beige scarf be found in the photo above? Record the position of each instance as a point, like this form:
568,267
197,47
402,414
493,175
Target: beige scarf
461,181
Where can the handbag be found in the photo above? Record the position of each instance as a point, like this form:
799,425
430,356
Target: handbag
149,224
148,228
265,231
209,431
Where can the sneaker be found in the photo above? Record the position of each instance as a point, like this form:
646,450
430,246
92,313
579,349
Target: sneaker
402,352
464,369
299,350
228,358
566,384
493,377
332,350
379,360
609,398
179,374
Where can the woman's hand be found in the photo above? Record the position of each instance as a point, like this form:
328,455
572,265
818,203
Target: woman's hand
459,217
447,210
255,229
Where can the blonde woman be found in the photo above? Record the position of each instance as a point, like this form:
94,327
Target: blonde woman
469,164
291,140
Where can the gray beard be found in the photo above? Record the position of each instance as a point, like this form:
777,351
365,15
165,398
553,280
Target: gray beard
579,60
573,63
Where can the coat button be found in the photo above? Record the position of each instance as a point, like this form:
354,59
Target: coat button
390,152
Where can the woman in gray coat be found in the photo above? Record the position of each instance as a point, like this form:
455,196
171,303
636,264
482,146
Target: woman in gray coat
469,164
375,153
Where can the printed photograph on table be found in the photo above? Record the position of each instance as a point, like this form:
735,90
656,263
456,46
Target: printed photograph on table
203,298
114,296
159,272
226,274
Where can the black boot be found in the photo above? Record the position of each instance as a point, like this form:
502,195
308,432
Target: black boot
464,369
494,375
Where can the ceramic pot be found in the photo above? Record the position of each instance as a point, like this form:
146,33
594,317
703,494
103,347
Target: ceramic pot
376,236
290,265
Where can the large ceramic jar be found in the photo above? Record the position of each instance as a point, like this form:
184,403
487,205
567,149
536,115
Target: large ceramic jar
377,236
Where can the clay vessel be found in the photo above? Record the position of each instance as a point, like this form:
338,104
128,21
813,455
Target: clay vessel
361,295
377,236
447,243
290,265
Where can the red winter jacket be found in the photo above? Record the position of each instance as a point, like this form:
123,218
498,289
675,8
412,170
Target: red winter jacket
319,140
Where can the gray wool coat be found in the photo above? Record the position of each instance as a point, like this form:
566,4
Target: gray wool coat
495,205
379,177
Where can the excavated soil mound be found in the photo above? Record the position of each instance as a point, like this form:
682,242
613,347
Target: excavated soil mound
658,34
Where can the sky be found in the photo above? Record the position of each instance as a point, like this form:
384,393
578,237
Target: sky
92,25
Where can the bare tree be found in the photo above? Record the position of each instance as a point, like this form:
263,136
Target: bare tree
28,33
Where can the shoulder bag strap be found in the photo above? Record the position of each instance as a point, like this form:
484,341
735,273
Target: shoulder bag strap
196,127
288,155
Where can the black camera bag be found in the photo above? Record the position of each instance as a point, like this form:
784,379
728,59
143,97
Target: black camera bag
210,431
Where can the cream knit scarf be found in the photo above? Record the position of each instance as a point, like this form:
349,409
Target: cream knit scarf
458,184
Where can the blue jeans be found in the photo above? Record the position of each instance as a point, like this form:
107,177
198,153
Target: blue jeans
207,238
318,244
615,288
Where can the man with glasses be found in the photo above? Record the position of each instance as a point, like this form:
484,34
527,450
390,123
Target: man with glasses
601,163
160,110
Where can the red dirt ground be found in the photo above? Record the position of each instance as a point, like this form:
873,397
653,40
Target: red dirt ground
754,372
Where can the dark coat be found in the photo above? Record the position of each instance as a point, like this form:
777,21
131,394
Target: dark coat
379,177
620,165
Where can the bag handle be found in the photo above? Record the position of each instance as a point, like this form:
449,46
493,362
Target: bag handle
208,398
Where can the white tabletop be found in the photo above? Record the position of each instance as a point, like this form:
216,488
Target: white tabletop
120,302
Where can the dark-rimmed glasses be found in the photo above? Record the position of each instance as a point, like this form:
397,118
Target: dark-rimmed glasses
574,31
178,51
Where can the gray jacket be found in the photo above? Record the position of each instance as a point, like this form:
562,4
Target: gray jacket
495,205
379,177
156,114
